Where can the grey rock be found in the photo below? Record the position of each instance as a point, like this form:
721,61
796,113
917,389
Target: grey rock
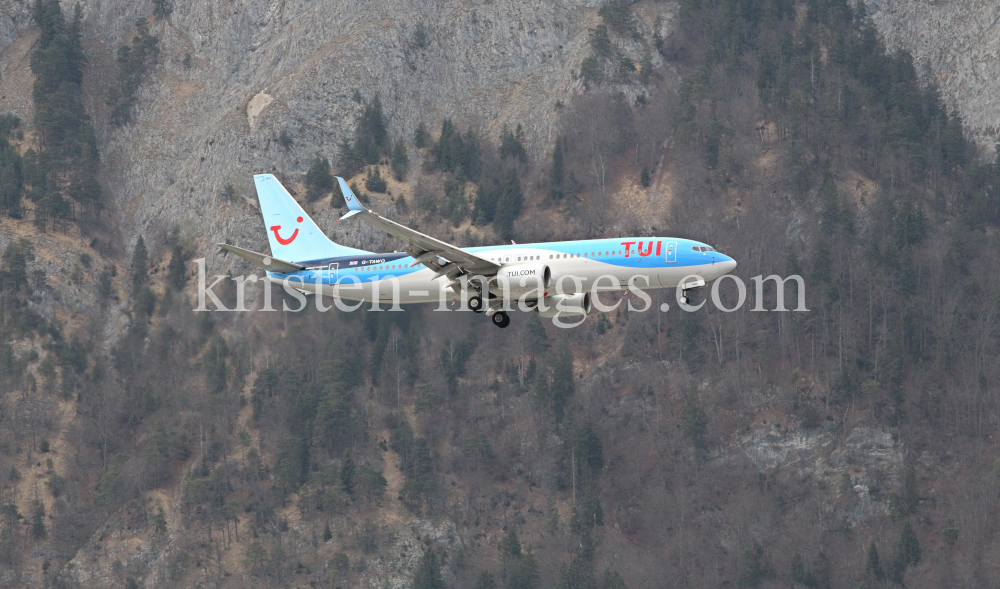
958,44
267,66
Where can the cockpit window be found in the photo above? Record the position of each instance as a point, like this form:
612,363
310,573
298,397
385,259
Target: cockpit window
702,248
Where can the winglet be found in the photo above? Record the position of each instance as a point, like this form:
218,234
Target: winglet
350,198
349,215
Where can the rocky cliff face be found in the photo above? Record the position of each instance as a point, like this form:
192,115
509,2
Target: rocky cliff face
231,77
958,43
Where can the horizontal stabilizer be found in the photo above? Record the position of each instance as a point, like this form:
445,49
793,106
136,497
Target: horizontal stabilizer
262,261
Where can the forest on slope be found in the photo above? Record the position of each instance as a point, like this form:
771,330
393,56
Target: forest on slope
851,445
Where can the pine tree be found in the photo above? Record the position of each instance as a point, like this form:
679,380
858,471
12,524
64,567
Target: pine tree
510,551
38,531
618,16
176,271
512,145
421,137
563,385
215,364
576,575
400,161
371,134
428,573
319,179
508,203
909,546
525,573
347,472
140,265
374,182
486,580
134,62
11,181
612,580
160,521
162,9
873,567
557,175
157,453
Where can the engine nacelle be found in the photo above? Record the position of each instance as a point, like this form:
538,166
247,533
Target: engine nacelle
518,279
565,305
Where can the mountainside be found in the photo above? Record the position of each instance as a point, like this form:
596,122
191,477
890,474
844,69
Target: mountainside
956,42
850,445
231,78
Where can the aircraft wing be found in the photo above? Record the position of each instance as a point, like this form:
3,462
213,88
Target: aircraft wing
262,261
444,258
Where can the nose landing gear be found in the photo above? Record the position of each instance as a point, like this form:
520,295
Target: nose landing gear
698,282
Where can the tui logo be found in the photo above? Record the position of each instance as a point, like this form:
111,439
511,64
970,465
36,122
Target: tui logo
281,240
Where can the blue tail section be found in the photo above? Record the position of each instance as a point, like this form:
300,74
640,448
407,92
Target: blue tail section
293,236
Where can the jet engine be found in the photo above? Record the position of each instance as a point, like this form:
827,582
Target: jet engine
519,279
565,305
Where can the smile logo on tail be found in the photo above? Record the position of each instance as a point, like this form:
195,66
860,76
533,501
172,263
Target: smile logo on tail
282,241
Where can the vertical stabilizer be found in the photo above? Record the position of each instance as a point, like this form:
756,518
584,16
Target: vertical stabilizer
293,236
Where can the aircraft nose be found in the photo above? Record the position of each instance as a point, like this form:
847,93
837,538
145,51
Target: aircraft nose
727,265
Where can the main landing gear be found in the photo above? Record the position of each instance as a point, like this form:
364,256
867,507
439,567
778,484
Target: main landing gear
500,319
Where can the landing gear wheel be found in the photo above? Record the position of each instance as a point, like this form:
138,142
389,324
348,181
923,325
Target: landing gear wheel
476,304
684,299
500,319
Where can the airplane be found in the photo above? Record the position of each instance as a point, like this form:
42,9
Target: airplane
554,279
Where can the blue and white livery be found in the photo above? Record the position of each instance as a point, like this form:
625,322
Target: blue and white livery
554,278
